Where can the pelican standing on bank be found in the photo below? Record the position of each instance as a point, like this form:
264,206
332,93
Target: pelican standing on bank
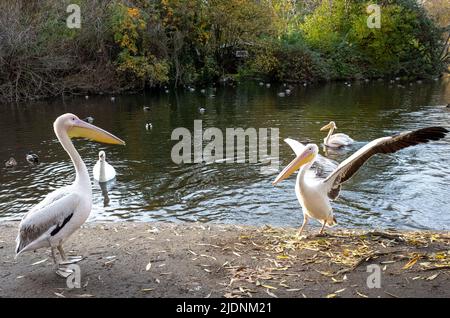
62,212
314,193
103,171
336,140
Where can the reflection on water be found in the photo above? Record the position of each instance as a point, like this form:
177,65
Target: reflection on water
408,189
104,188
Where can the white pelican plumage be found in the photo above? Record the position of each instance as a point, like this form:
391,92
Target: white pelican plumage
103,171
315,194
336,140
62,212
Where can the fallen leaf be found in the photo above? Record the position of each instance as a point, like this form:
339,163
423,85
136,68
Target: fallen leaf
411,262
269,287
432,277
361,295
271,294
39,262
146,290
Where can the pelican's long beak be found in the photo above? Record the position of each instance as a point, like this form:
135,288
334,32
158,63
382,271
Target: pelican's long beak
83,129
326,127
294,165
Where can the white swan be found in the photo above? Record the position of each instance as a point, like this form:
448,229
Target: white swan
103,171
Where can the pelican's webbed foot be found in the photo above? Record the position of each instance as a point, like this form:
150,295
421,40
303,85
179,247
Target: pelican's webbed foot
68,260
71,260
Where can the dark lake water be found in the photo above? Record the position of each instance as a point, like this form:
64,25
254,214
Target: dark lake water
407,190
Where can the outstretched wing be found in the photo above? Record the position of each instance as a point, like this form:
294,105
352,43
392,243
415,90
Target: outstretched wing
381,145
322,166
47,218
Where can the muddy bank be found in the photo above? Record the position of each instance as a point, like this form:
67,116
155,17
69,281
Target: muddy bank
197,260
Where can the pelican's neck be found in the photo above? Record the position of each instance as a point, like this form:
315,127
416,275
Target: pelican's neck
302,172
82,175
330,132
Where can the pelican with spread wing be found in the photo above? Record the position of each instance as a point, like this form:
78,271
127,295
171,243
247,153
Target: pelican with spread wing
62,212
315,194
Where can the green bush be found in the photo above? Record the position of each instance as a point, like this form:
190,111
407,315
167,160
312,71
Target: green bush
406,44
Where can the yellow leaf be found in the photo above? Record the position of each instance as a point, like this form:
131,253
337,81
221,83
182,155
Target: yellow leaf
440,255
412,262
362,295
269,287
146,290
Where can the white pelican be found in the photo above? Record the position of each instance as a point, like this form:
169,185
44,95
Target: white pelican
201,110
314,194
336,140
32,158
62,212
103,171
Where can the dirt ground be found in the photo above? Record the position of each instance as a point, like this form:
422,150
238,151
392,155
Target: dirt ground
197,260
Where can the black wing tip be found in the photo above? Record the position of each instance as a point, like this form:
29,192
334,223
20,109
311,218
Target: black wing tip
430,133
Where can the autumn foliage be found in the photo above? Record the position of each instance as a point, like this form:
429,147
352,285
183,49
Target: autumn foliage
130,45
